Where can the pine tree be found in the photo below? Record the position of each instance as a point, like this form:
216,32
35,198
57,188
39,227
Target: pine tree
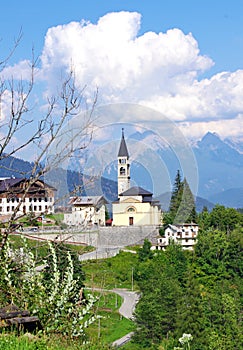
176,196
182,204
187,209
190,312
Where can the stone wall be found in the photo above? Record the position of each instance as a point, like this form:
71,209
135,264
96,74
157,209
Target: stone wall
119,236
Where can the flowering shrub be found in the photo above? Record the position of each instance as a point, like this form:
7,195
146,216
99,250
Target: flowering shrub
58,302
185,341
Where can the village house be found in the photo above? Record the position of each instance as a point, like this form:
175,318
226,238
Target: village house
184,234
86,211
134,206
20,196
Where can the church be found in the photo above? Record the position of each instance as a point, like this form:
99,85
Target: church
135,206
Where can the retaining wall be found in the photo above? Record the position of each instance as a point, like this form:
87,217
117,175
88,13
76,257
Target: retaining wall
114,236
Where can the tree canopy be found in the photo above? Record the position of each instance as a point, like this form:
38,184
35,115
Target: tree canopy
182,203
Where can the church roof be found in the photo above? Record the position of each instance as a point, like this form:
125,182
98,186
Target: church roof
136,191
123,152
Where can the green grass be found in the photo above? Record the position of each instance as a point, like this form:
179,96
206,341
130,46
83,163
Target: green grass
57,217
13,341
112,325
131,346
23,342
108,274
40,247
111,273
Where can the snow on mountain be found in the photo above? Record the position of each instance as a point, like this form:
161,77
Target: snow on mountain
154,164
235,143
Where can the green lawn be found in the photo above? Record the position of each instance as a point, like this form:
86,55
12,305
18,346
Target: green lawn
116,272
111,326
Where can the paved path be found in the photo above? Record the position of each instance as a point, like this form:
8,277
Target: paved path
127,308
130,300
122,341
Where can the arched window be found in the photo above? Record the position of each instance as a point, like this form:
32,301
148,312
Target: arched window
122,171
131,209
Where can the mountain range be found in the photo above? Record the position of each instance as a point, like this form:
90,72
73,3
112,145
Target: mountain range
219,165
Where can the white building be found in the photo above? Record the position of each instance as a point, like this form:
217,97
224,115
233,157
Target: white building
86,211
20,196
184,234
134,206
123,167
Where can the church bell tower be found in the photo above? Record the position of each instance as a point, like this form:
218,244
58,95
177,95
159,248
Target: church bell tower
123,166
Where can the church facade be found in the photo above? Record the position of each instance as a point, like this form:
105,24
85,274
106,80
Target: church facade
135,206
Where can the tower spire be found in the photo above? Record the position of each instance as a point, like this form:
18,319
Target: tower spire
123,152
123,166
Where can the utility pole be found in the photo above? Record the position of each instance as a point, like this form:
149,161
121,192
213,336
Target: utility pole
132,278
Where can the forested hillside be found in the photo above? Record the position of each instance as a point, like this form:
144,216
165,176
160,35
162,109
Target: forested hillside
198,293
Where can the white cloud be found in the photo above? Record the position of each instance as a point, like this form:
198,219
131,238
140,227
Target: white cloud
122,64
19,71
224,127
158,70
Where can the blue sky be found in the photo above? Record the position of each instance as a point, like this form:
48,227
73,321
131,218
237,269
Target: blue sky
194,79
216,25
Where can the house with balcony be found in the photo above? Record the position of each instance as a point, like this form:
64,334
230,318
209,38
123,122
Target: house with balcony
183,234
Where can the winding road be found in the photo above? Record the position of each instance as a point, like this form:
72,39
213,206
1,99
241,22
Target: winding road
127,308
130,300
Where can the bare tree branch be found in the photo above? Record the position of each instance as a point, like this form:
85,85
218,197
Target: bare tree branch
19,131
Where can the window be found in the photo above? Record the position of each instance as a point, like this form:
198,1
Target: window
8,208
1,209
130,221
131,209
122,171
0,200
